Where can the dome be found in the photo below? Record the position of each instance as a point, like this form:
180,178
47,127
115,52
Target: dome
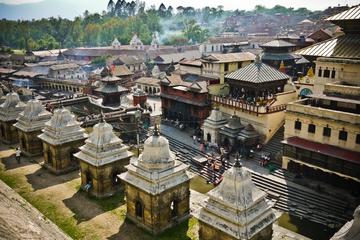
33,109
157,154
11,100
103,134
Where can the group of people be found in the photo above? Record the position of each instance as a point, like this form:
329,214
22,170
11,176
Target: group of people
264,159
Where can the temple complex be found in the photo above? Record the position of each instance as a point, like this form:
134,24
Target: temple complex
212,126
236,209
9,112
62,137
102,158
157,187
110,91
184,101
322,132
277,52
258,94
29,124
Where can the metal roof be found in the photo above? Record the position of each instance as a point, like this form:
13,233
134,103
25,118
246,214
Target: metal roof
351,14
347,46
257,73
278,43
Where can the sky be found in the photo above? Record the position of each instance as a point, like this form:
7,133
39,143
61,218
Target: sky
228,4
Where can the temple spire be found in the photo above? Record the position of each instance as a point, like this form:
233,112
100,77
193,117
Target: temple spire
156,131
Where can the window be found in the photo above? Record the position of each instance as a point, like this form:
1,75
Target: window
333,73
297,125
320,72
239,65
343,135
327,132
226,67
357,138
311,128
327,73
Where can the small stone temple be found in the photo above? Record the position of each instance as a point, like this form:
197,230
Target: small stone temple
62,137
102,158
9,112
157,187
351,229
229,133
29,124
212,126
236,209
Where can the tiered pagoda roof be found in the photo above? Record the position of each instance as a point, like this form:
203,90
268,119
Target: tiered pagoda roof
62,128
233,127
215,120
33,118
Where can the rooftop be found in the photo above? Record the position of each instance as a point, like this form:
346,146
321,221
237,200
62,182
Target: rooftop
230,57
351,14
257,73
64,66
346,46
278,44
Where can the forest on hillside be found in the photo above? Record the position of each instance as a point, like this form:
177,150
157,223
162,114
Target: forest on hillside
176,26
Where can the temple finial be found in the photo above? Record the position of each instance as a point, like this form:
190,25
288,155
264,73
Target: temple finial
237,161
102,117
156,131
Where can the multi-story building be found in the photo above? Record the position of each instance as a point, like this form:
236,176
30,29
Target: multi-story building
322,132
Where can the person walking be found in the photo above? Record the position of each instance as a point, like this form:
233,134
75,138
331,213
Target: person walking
17,155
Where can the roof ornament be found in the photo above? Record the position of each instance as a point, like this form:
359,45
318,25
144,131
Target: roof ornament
257,58
102,117
156,131
237,161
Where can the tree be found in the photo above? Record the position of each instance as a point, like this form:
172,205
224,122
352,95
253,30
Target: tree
193,32
111,7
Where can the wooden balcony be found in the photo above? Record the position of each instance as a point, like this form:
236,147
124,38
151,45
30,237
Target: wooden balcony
243,106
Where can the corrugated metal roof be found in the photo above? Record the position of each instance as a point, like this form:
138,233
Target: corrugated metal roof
257,73
347,46
352,13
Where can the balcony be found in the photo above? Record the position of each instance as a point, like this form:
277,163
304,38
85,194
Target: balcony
244,106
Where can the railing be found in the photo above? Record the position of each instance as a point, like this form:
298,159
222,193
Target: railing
243,106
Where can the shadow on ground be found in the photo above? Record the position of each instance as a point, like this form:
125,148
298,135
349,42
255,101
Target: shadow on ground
42,178
11,163
129,231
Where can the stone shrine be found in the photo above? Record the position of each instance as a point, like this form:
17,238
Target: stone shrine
102,158
62,137
230,131
29,124
9,112
236,209
157,187
212,126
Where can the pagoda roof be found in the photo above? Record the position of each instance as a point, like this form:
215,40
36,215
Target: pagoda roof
351,14
257,72
111,89
346,46
278,43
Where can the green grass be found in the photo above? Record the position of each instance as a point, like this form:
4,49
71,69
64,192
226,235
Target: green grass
67,224
110,203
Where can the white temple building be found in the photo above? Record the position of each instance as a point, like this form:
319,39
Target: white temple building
29,124
236,209
157,187
9,112
62,137
102,158
136,42
116,43
212,126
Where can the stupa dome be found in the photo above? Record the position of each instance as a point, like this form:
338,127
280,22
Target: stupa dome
103,134
11,100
